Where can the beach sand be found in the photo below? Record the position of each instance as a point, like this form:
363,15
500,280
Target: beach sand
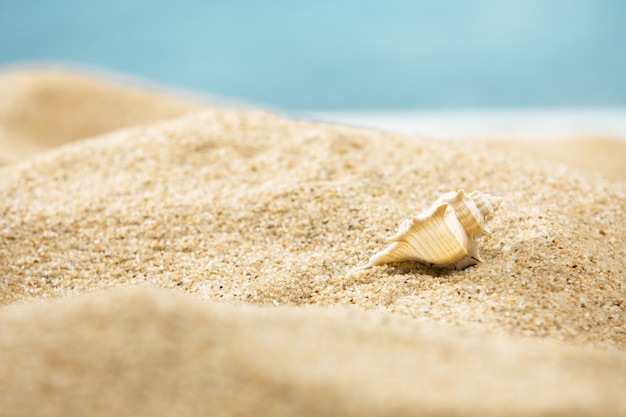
599,155
228,235
41,109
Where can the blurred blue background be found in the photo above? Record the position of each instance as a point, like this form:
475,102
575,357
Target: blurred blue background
342,54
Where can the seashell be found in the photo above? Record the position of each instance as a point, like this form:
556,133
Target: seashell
445,235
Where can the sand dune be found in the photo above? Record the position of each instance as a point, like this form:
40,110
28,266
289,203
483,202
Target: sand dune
41,109
248,223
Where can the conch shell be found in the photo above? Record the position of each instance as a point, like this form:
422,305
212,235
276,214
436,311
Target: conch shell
444,235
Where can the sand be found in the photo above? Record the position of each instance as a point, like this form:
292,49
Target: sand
591,140
41,109
247,223
140,352
603,156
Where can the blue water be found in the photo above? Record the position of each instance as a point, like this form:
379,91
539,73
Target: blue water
328,54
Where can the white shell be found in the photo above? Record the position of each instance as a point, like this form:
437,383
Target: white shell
444,235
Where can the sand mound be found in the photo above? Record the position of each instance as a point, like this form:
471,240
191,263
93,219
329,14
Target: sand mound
42,109
252,208
144,353
248,208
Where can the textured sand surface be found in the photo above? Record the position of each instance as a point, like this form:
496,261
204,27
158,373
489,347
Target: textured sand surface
229,208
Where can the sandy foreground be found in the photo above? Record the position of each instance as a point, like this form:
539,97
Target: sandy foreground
197,265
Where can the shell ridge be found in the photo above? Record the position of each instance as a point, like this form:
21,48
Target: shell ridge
468,214
432,240
404,228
